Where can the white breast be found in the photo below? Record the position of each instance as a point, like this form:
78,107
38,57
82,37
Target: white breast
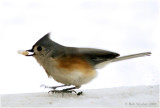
75,77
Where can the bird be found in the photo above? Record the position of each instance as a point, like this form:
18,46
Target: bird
72,66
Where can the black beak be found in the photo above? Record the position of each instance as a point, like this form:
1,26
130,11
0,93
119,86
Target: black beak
32,52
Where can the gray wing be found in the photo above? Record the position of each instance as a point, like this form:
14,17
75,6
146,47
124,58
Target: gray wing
93,55
96,56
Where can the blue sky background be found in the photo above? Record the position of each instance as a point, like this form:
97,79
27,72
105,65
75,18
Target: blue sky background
126,27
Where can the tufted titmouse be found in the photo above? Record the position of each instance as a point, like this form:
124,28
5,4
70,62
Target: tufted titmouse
70,65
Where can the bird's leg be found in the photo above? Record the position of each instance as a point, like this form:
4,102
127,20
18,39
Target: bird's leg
70,90
67,90
54,87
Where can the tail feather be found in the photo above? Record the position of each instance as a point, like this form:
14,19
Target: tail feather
131,56
101,65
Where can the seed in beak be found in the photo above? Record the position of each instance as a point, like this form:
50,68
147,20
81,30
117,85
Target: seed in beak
23,52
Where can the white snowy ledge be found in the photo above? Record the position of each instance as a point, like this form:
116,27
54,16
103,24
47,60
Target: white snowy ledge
140,96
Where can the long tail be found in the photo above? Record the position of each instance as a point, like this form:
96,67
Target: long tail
101,65
131,56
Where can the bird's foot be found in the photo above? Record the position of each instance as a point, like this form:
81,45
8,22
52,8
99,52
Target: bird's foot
54,87
68,90
79,93
65,91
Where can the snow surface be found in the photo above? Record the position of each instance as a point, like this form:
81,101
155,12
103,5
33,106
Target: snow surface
139,96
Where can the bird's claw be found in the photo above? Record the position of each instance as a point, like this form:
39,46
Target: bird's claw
65,91
80,93
48,87
44,86
70,90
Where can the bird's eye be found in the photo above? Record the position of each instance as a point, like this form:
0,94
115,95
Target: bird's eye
39,48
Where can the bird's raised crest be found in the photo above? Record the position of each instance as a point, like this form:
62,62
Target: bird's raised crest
44,40
45,37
